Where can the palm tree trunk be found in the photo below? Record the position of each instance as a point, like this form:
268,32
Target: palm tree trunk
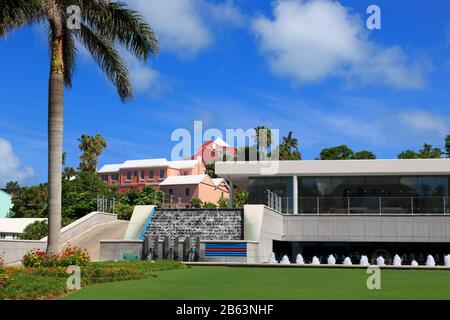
55,150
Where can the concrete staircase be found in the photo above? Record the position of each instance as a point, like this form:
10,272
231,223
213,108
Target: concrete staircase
90,239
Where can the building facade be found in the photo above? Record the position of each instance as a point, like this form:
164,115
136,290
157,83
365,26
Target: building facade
211,151
181,181
346,208
5,203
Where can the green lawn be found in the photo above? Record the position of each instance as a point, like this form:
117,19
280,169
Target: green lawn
274,283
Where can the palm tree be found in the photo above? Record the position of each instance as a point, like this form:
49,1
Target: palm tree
103,24
263,138
91,147
289,148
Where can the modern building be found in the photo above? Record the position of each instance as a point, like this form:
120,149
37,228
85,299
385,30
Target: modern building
346,207
5,203
211,151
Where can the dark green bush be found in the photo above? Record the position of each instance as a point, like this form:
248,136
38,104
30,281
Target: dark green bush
35,231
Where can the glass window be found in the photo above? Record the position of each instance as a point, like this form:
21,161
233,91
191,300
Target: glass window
142,175
115,177
150,175
171,191
128,175
161,173
104,177
187,192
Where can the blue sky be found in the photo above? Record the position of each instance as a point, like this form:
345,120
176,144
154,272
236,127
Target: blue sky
307,66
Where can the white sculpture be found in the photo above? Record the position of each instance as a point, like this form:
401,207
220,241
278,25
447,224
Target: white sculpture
430,261
285,260
347,261
331,259
364,261
397,260
380,261
299,259
272,259
315,261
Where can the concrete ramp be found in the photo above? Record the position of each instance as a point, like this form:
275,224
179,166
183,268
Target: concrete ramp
139,220
90,239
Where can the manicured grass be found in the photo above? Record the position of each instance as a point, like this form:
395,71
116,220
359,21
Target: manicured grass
42,284
274,283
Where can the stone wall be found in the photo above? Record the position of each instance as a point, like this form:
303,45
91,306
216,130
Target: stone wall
208,224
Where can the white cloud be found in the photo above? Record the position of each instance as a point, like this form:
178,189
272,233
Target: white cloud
423,121
184,27
11,168
309,41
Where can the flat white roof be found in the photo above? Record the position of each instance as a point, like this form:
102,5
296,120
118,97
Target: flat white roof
148,163
240,171
16,225
218,181
107,168
180,180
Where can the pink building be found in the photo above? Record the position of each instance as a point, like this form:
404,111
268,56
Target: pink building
210,151
183,179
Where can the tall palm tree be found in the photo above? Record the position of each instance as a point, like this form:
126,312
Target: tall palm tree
289,148
103,25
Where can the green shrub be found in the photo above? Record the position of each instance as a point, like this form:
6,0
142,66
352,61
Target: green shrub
223,203
123,211
5,281
35,231
196,203
209,205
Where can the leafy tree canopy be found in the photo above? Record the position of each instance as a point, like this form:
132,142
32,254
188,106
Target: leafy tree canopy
91,148
343,152
428,152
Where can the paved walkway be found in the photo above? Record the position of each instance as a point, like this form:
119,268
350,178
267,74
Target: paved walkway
90,239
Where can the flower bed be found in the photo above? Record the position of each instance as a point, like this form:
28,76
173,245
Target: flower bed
70,256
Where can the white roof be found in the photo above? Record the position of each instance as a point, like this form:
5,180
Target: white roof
183,164
145,163
148,163
218,181
110,168
16,225
179,180
221,142
239,171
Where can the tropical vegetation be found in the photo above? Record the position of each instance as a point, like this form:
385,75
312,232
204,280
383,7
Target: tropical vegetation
102,25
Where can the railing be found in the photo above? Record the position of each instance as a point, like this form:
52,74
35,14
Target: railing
361,205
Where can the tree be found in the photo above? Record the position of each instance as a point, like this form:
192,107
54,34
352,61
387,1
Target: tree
343,152
336,153
211,170
428,152
363,155
196,203
223,203
103,25
240,199
35,231
12,185
91,148
289,148
447,145
30,202
263,139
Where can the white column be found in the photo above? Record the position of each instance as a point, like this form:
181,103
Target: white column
295,195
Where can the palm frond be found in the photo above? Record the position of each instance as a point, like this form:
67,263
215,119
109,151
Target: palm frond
107,57
116,22
16,13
